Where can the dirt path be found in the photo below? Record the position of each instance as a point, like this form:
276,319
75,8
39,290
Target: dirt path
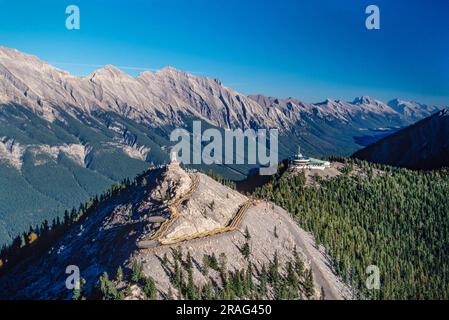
233,224
157,241
173,207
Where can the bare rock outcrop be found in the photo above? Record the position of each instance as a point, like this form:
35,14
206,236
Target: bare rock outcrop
107,238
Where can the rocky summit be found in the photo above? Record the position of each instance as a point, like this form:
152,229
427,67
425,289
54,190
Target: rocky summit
165,211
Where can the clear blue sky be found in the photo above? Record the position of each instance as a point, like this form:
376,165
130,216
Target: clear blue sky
310,50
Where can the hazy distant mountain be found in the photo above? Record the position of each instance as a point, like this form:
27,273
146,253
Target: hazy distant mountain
412,111
65,138
424,145
340,127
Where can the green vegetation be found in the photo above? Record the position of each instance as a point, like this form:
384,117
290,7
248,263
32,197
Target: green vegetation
121,287
39,238
271,281
44,191
396,219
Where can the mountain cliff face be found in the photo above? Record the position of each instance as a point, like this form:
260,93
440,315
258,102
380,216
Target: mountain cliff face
65,138
162,98
169,96
424,145
164,211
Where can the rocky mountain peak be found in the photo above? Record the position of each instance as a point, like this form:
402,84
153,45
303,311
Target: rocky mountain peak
423,145
169,209
364,99
109,72
146,75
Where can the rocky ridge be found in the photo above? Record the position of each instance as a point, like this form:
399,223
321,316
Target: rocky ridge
108,238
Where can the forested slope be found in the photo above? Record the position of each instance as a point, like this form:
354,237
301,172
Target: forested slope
396,219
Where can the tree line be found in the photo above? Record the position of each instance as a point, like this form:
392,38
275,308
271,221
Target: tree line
39,238
396,219
270,281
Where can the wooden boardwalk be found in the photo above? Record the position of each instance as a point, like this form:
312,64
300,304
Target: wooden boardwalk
156,240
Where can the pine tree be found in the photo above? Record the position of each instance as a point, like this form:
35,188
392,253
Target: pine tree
119,274
192,292
149,288
177,275
189,262
108,289
263,282
213,262
207,292
136,269
247,234
205,267
274,268
223,260
309,287
292,278
249,285
169,294
299,264
165,260
76,294
246,251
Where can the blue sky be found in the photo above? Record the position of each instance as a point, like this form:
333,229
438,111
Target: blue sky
310,50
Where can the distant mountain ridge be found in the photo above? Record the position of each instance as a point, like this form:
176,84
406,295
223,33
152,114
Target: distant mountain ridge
423,145
168,96
412,110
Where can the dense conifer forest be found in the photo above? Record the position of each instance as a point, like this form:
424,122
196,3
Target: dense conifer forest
395,219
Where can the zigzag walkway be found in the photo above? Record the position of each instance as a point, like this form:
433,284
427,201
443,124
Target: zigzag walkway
156,240
233,224
174,215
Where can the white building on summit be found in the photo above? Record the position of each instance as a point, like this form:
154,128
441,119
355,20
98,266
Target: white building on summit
299,161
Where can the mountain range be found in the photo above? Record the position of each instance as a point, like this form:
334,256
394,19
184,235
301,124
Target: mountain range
64,138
